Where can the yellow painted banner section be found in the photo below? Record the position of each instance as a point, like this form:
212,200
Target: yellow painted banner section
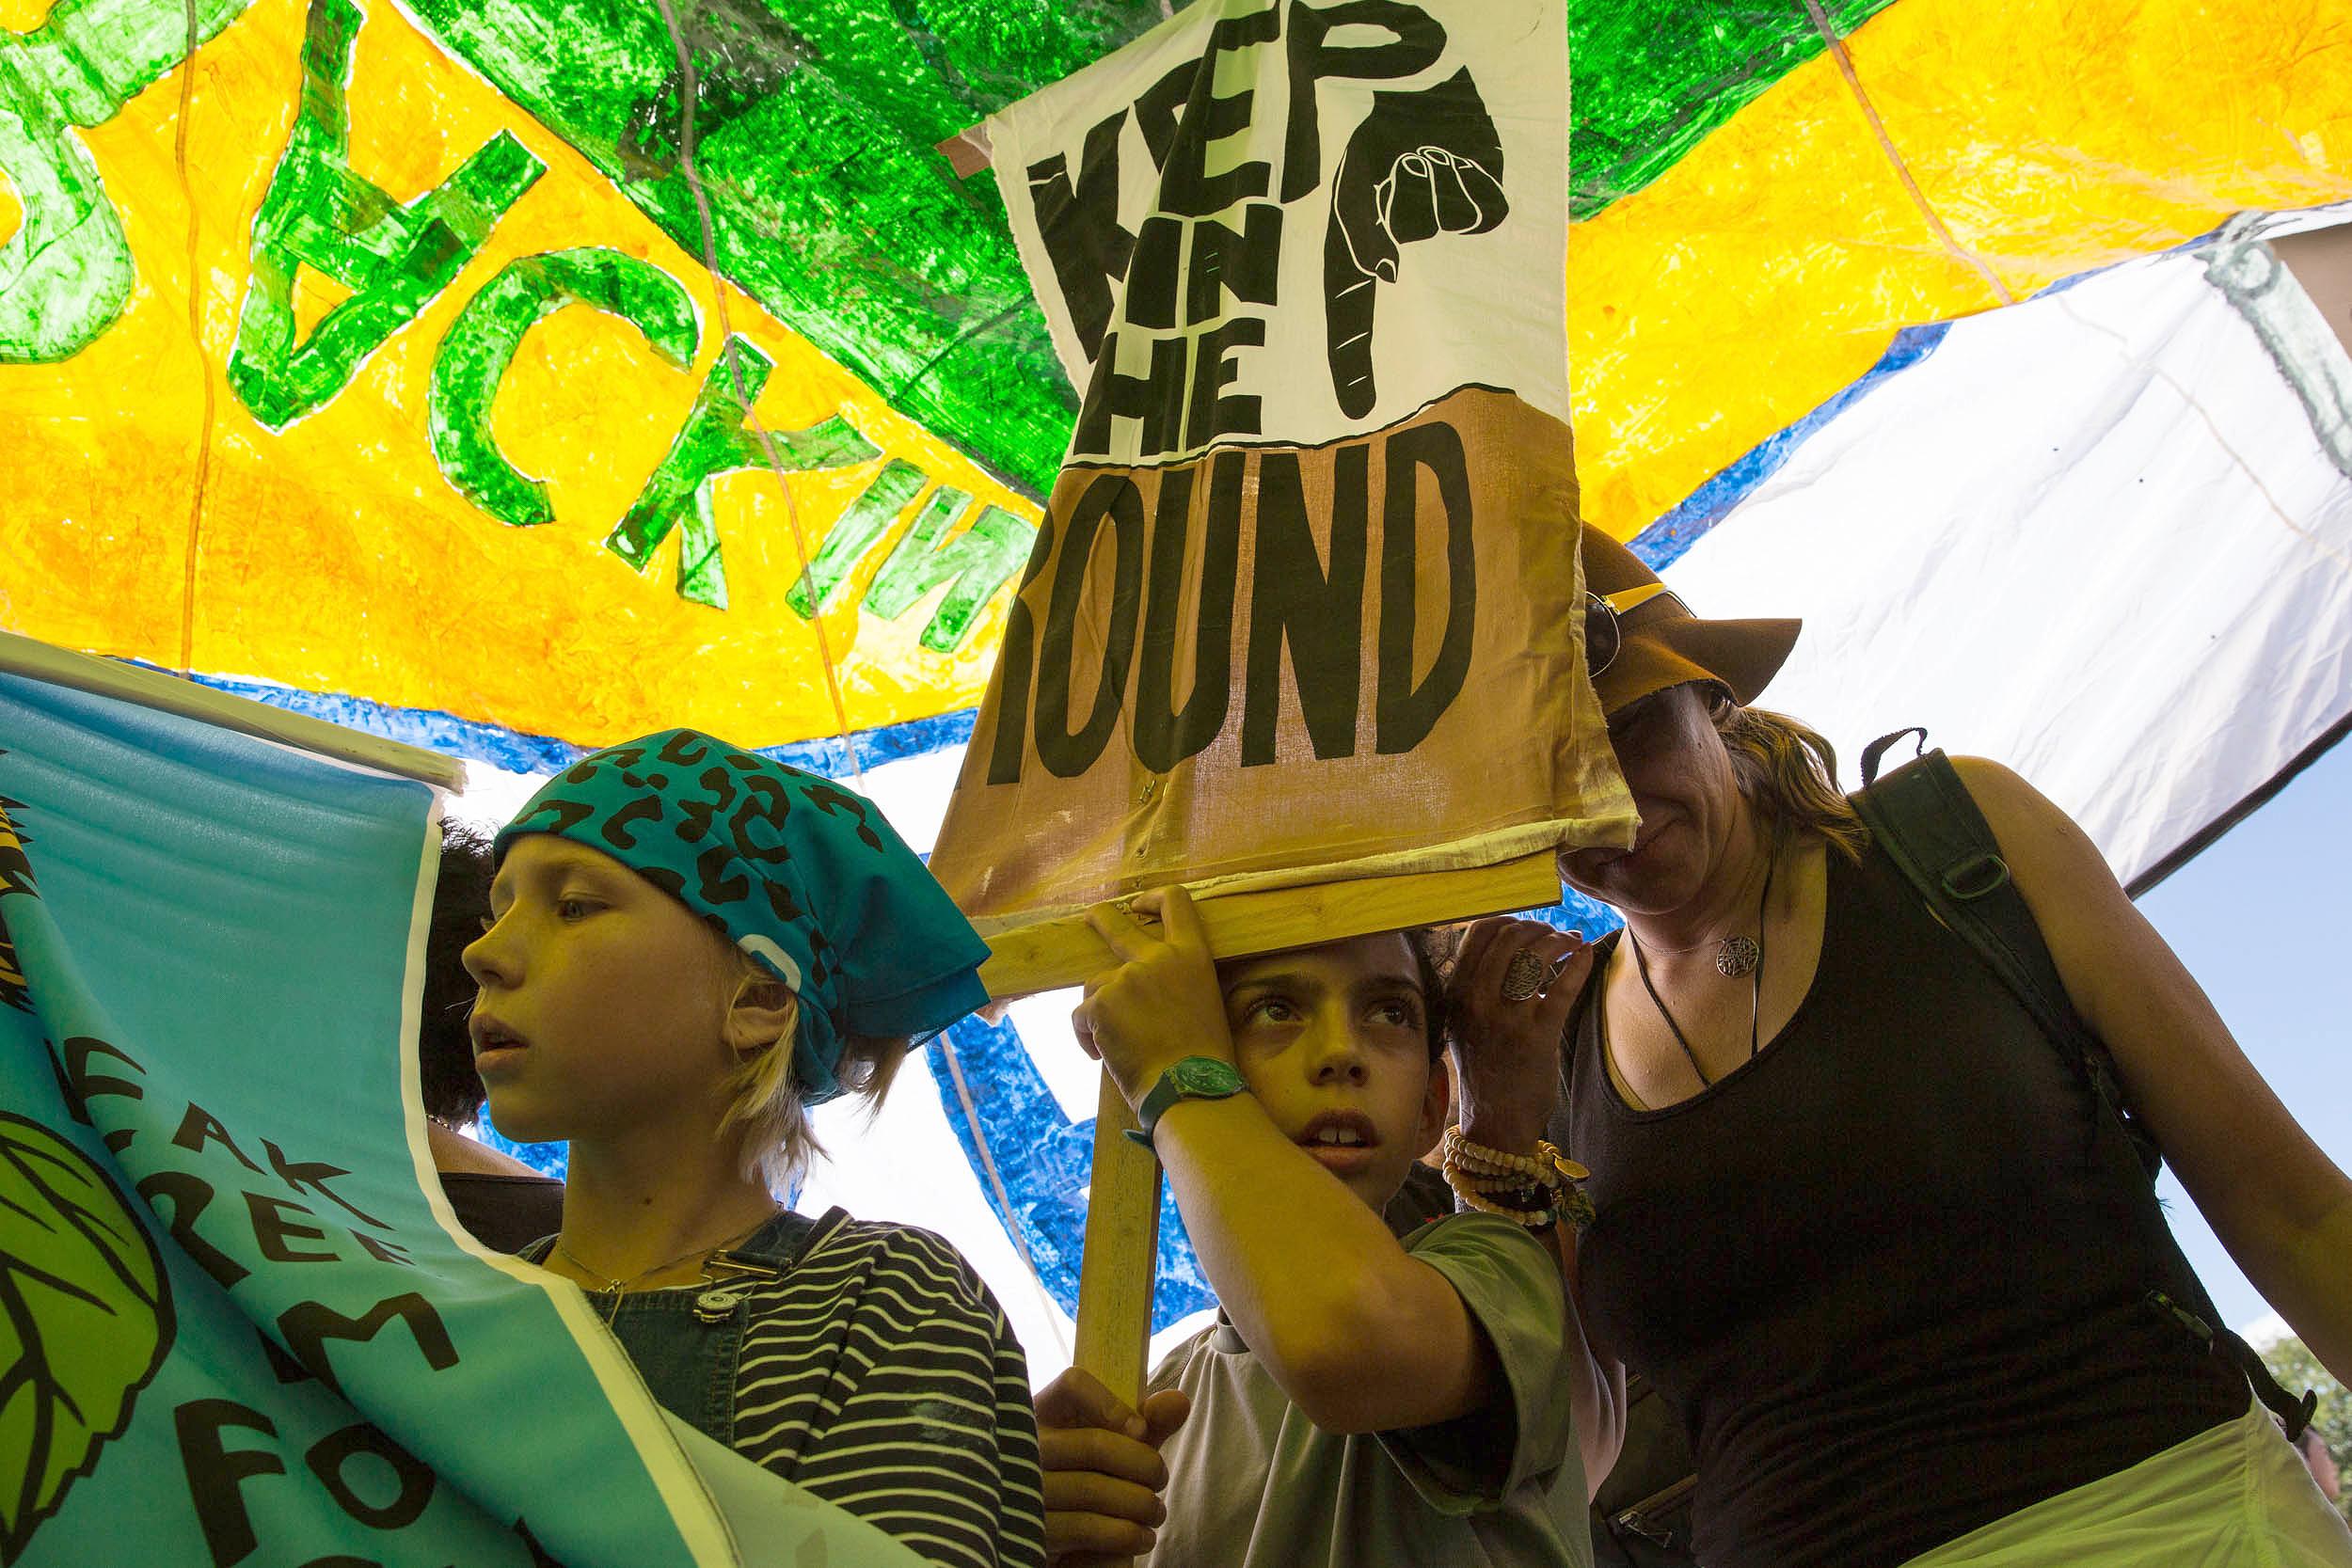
334,556
1773,265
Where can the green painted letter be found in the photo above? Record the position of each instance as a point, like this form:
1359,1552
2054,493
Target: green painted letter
318,214
974,566
482,343
852,534
712,443
66,272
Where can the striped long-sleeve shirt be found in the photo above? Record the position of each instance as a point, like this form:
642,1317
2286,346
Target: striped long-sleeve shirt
880,1374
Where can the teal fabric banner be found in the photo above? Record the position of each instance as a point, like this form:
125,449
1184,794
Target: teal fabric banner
238,1323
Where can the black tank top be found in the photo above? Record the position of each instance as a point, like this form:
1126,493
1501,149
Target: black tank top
1878,1268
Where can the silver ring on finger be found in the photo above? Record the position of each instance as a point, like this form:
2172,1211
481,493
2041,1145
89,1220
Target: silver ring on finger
1523,976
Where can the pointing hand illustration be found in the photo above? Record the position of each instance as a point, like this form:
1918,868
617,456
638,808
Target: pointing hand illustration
1421,163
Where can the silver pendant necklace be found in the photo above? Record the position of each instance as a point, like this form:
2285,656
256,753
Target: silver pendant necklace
1749,961
1737,954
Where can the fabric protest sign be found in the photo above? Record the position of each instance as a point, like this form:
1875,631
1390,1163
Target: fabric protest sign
237,1321
1304,606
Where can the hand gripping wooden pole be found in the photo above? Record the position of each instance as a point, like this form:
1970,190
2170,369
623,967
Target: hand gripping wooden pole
1117,1269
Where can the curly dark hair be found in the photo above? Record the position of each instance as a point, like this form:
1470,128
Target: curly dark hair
461,901
1431,951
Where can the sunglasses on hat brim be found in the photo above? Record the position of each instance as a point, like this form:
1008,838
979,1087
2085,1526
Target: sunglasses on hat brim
1603,636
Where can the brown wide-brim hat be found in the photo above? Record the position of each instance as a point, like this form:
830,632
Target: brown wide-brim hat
1661,643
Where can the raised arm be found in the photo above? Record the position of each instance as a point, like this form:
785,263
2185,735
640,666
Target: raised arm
2279,1204
1359,1335
1506,1061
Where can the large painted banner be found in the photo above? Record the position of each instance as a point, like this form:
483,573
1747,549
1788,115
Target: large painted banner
238,1322
323,362
1306,605
327,364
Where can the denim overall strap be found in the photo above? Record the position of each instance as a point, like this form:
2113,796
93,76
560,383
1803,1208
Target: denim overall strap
685,1340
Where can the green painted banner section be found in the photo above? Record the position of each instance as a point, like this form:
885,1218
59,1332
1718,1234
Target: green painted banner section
720,438
815,129
1652,78
318,214
65,272
481,344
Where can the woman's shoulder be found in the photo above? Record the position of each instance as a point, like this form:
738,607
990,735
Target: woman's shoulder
2048,852
2008,802
455,1154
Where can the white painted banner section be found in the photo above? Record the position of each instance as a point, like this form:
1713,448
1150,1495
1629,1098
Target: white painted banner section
2093,537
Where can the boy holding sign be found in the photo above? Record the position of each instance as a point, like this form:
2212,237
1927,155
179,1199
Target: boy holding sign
1359,1400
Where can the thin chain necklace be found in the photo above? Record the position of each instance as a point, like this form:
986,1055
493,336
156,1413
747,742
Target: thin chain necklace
1736,953
611,1291
1755,972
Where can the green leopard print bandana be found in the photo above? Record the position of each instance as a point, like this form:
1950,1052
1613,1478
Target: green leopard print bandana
804,876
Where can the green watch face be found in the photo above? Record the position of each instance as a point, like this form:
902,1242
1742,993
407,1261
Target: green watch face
1205,1078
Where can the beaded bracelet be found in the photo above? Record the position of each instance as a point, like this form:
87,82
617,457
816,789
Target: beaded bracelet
1460,1151
1547,1165
1534,1219
1510,1181
1544,1181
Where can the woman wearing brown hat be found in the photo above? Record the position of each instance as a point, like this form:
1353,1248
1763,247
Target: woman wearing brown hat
1856,1214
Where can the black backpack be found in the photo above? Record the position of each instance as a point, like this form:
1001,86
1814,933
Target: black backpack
1922,817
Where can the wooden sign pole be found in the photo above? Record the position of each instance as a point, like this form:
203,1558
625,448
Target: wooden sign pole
1122,1242
1116,1272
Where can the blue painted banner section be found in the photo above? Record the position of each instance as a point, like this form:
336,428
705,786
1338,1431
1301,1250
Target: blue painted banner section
205,1168
1044,1160
1587,917
517,752
915,738
428,728
547,1159
1662,543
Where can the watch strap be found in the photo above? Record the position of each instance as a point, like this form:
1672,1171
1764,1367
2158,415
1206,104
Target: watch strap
1173,1087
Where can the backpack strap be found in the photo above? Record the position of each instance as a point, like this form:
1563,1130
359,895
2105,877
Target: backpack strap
1928,823
1923,817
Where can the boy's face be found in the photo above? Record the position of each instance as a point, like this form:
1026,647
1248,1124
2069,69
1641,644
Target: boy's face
1334,1042
601,1008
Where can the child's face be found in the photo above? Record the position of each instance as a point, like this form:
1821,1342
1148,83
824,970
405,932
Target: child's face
1335,1039
601,1010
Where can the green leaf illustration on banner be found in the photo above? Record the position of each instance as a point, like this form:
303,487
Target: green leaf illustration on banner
84,1319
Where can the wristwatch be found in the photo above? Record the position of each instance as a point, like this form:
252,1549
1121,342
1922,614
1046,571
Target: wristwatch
1193,1078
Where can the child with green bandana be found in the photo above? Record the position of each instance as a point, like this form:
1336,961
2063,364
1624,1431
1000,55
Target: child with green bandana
690,946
